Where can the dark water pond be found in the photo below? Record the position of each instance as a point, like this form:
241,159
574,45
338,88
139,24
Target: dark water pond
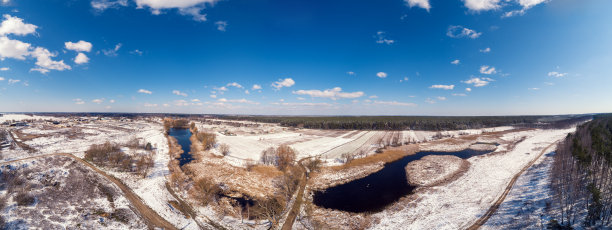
374,192
182,136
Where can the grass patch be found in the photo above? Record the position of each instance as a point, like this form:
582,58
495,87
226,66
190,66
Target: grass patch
388,155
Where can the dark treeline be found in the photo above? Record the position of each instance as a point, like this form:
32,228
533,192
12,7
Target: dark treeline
403,122
582,175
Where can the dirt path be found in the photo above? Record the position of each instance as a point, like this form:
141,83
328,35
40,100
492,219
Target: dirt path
152,219
483,219
295,210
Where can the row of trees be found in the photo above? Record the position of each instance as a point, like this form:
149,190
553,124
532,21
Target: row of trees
394,122
582,175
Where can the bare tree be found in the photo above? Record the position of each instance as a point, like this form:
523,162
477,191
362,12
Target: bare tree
224,149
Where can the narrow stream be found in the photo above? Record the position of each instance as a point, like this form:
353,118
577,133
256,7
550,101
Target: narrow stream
374,192
182,136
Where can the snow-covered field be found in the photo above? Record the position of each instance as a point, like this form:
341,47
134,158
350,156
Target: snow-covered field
459,203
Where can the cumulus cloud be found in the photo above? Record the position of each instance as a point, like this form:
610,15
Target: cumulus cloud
459,94
482,5
221,25
256,87
394,103
144,91
420,3
185,7
16,49
455,62
533,88
478,82
441,98
556,74
181,103
234,84
179,93
80,46
5,69
81,58
485,69
430,101
300,104
287,82
1,79
381,74
468,89
102,5
462,32
350,73
485,50
444,87
111,101
136,52
78,101
43,60
381,38
526,5
333,94
244,101
213,96
16,26
98,101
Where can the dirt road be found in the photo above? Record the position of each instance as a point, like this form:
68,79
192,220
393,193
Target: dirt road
295,210
151,218
482,220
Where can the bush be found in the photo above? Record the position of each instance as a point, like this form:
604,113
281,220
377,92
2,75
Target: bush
224,149
209,140
148,146
24,199
206,191
268,156
286,157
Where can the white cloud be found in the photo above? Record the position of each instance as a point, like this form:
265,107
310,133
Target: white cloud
5,69
221,25
468,89
373,96
485,69
459,94
247,91
333,94
350,73
13,81
80,46
445,87
40,70
526,4
43,60
300,104
145,91
478,82
405,79
430,101
213,96
244,101
381,38
381,74
287,82
166,105
221,89
181,103
179,93
394,103
441,98
420,3
533,88
81,58
185,7
455,62
1,79
482,5
106,4
234,84
256,87
112,52
195,100
78,101
98,101
462,32
13,49
556,74
15,25
111,101
485,50
136,52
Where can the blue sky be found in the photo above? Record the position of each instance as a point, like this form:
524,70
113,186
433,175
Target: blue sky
310,57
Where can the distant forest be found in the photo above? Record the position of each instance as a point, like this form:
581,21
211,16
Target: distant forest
413,122
582,175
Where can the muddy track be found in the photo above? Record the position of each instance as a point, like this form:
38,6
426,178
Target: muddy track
295,210
151,218
483,219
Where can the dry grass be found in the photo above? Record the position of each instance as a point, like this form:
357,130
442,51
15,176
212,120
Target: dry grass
388,155
266,171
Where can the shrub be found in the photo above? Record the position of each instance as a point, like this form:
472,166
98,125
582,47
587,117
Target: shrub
286,157
268,156
225,149
206,191
209,140
148,146
24,199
